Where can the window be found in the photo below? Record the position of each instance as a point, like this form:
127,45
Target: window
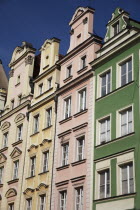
32,166
104,184
79,198
63,199
105,84
42,202
49,117
116,29
5,139
11,206
104,130
19,132
36,123
67,107
19,99
127,180
50,83
65,152
83,61
40,88
18,79
80,148
45,161
126,72
68,71
15,172
82,100
12,104
126,121
1,174
29,204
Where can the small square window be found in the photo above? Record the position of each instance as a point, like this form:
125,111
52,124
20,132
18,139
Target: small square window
65,153
79,198
36,123
15,169
63,200
82,100
67,107
40,88
49,117
104,187
32,166
80,148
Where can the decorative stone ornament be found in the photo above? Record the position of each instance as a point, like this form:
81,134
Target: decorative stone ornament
29,60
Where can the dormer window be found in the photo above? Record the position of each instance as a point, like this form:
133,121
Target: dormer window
116,29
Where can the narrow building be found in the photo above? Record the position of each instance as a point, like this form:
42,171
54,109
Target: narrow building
37,185
73,157
117,116
14,126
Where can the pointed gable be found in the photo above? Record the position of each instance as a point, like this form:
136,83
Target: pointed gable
3,158
15,153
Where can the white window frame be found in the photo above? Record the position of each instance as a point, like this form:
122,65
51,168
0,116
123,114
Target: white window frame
118,69
15,169
45,163
19,132
64,161
118,28
64,198
106,131
78,139
1,174
29,205
67,107
32,166
44,203
118,120
48,117
105,183
84,101
81,198
5,140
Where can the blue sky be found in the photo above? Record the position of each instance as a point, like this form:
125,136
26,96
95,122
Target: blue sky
35,21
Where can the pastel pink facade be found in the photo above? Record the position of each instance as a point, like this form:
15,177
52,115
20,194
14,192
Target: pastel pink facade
73,158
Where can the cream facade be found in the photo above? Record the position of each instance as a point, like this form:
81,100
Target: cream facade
39,156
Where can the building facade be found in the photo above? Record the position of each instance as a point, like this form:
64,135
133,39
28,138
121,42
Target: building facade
14,127
37,185
73,165
117,108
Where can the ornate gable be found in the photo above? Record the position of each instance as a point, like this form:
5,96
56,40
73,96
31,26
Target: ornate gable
77,14
15,153
5,126
28,192
32,147
42,187
3,158
19,117
11,193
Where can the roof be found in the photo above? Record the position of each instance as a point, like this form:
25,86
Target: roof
3,77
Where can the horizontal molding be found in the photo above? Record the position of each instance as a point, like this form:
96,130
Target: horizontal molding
80,113
79,178
67,79
80,126
78,162
13,181
3,149
65,120
62,183
82,70
17,142
62,167
44,93
64,133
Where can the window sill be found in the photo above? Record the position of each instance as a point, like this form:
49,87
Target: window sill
114,140
43,172
67,79
17,142
62,167
80,113
43,93
117,196
30,177
81,70
1,185
34,134
13,181
46,128
4,149
78,162
65,120
17,84
119,88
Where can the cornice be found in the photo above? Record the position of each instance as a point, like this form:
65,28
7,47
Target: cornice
16,109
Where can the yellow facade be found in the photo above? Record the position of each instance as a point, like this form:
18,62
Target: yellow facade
41,131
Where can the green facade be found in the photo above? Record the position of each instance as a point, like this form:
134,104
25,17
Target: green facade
118,99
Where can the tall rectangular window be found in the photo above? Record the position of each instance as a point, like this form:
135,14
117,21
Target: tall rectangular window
40,88
126,72
49,117
79,198
19,99
126,121
36,123
45,161
12,104
67,107
80,148
50,83
83,61
105,84
19,132
68,71
11,206
65,153
127,178
82,100
32,166
63,199
1,174
42,202
116,28
29,204
15,171
5,139
104,184
105,130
